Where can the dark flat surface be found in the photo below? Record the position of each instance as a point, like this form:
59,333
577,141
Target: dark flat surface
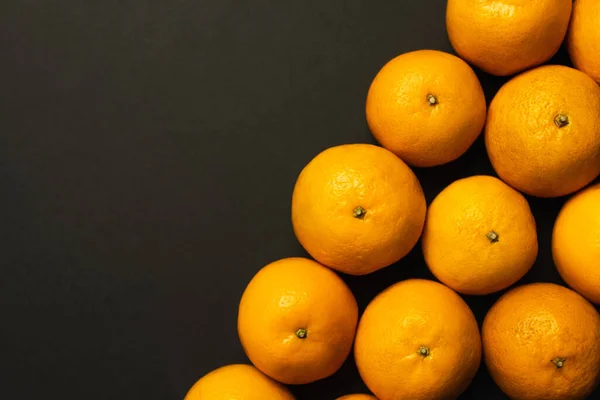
148,151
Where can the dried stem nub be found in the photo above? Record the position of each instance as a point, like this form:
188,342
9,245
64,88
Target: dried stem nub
561,120
301,333
559,362
492,236
359,212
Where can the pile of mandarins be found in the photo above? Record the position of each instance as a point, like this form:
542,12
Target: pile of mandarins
359,208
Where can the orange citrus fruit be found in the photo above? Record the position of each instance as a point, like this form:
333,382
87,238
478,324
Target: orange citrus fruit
584,37
417,340
297,321
240,382
427,107
543,131
357,208
479,236
357,397
509,36
542,341
576,243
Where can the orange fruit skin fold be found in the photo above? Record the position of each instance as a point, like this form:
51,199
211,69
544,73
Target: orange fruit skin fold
401,320
284,297
427,107
584,37
346,178
240,382
503,37
576,243
357,397
533,327
528,146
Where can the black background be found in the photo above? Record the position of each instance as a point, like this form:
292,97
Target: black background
148,153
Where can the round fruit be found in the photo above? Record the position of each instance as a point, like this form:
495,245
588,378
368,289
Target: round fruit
584,37
417,340
357,397
479,236
297,320
543,131
509,36
427,107
357,208
576,243
240,382
542,341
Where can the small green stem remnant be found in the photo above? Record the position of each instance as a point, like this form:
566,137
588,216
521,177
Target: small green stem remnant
561,120
359,212
423,351
492,236
301,333
559,362
432,100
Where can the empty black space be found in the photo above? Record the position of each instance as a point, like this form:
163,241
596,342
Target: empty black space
148,152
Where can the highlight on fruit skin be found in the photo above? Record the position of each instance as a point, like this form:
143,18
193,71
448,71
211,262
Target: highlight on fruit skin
583,38
357,208
422,331
480,236
506,37
542,341
542,133
237,381
297,320
357,397
426,106
575,243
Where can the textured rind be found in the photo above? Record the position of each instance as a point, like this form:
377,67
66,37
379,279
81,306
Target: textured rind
503,37
342,178
292,294
402,119
401,319
454,240
526,147
237,382
576,243
584,37
534,324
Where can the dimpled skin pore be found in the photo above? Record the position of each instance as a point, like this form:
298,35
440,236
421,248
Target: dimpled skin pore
503,37
403,120
530,329
292,294
576,243
237,382
405,318
455,239
527,148
584,37
357,397
332,186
